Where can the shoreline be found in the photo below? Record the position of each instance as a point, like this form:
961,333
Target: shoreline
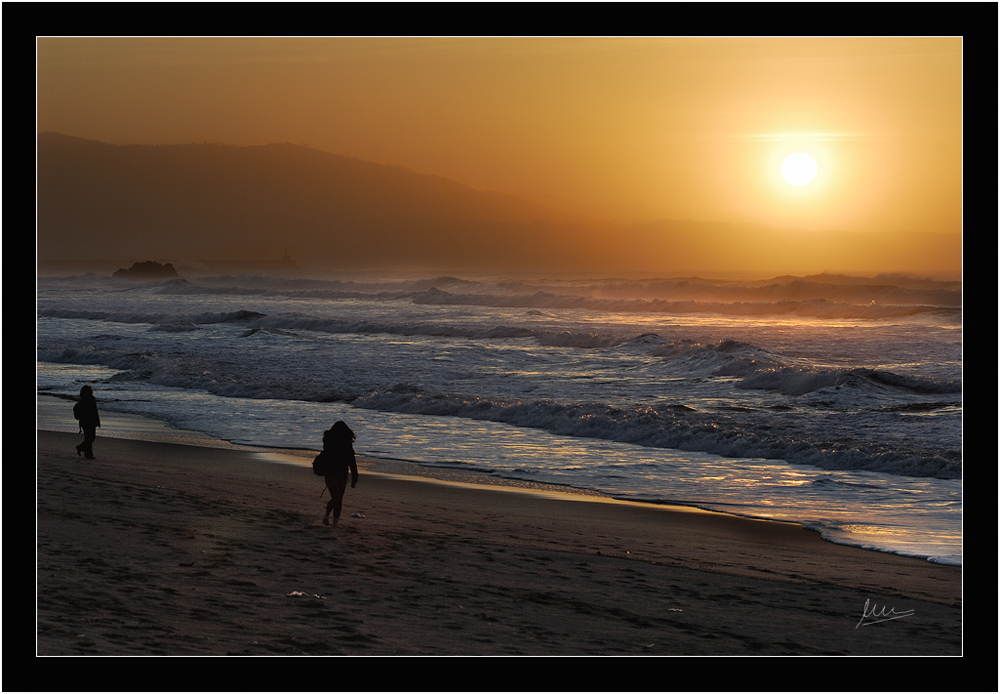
50,415
172,549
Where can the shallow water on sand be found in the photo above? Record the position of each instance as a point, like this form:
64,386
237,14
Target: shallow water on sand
842,416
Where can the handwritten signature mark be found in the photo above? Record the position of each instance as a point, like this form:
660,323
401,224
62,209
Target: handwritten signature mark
875,615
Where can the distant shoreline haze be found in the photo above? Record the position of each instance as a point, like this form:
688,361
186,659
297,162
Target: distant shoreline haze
130,203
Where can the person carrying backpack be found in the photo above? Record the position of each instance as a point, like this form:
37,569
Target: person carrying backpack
333,463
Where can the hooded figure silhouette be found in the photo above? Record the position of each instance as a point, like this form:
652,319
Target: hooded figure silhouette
338,449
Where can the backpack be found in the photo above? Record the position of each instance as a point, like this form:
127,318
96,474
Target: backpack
321,464
77,410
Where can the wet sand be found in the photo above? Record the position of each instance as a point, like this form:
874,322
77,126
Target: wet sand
166,549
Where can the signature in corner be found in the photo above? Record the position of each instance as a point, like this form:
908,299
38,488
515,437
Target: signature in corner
875,615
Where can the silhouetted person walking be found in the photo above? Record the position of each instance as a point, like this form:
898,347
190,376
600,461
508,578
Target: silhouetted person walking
86,413
338,457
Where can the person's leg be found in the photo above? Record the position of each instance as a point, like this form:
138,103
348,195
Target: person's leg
337,484
89,436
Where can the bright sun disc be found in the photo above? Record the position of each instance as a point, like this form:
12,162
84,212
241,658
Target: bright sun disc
799,169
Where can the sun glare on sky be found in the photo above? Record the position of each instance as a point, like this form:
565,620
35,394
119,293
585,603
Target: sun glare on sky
859,135
799,169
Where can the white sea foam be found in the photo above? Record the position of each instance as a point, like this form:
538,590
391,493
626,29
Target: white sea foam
720,374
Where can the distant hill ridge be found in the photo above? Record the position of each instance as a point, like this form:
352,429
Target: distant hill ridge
212,200
250,203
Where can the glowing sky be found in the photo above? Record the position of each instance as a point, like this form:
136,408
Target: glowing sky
645,128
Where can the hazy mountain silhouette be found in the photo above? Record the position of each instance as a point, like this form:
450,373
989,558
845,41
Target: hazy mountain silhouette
217,201
209,201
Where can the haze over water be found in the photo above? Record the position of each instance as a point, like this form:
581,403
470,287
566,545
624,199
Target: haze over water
654,155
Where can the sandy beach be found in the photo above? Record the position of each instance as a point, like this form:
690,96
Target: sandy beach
164,549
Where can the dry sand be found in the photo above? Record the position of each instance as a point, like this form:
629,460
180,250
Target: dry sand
163,549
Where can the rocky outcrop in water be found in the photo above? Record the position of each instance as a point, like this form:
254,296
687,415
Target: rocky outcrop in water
148,269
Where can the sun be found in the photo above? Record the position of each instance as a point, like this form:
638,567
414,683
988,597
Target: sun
799,169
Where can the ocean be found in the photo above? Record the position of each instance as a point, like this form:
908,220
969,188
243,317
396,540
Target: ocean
830,401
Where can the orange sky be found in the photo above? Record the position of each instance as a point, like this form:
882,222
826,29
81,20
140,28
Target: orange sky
681,128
